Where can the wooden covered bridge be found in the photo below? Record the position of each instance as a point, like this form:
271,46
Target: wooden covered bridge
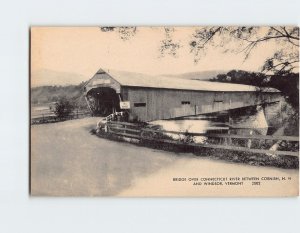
148,98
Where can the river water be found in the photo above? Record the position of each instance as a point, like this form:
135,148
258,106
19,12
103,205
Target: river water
203,125
215,124
277,119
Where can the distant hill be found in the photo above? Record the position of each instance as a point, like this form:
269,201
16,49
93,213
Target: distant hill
48,86
47,77
49,94
201,75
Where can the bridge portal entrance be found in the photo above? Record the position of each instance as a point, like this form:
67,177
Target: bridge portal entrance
103,101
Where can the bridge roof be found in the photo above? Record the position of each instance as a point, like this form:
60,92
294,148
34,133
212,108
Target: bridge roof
169,82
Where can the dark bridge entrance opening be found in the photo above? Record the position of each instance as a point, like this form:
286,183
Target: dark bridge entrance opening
103,101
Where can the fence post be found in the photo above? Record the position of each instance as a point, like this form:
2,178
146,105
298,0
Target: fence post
249,143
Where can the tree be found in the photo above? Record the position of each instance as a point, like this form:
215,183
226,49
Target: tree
63,108
284,60
125,32
287,84
283,64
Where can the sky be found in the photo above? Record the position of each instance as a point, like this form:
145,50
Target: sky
82,51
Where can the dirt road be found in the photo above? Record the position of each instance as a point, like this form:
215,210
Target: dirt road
66,160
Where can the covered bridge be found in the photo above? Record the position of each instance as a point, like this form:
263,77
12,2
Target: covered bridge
148,98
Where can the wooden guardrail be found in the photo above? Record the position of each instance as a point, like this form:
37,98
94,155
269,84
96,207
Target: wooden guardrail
139,132
48,117
125,129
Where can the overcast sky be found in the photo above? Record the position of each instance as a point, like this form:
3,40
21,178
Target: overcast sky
84,50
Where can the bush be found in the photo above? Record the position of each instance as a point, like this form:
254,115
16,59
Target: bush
63,108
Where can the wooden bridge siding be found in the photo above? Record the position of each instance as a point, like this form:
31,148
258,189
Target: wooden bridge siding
160,103
166,103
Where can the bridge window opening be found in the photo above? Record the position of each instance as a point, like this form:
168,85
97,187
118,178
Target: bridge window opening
219,97
185,102
139,104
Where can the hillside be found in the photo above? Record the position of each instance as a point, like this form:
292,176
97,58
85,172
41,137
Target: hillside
48,94
47,77
201,75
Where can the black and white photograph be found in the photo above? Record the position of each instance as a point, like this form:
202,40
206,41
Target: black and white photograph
165,111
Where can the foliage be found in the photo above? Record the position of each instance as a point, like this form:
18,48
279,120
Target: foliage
288,83
63,108
284,60
243,77
168,45
125,33
278,71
